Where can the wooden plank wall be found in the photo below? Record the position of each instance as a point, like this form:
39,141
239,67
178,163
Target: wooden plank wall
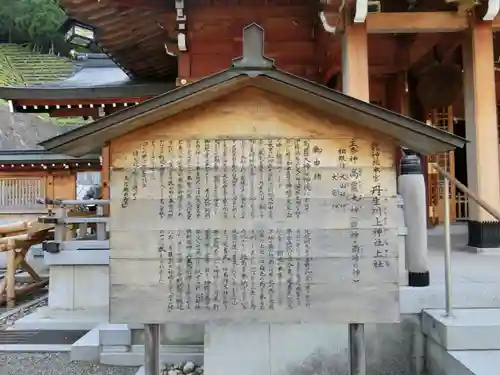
160,272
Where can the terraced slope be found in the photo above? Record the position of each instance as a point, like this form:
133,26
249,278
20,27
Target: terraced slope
18,65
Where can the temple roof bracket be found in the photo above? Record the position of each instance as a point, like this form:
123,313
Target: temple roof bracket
361,11
181,26
326,25
492,10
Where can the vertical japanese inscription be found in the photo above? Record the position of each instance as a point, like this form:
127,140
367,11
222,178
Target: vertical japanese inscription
125,192
307,234
210,235
354,207
180,179
135,174
379,213
144,163
161,211
259,255
190,190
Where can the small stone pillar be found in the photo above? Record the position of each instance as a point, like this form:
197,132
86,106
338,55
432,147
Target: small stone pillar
411,186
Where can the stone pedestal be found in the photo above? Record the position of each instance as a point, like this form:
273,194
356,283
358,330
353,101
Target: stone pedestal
307,349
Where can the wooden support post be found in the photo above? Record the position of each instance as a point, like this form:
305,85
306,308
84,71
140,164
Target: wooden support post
105,194
355,77
10,276
482,132
398,101
355,82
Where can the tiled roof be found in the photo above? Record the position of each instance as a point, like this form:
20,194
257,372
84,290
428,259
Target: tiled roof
20,66
94,76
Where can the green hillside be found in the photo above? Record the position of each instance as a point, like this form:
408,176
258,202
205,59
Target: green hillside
18,65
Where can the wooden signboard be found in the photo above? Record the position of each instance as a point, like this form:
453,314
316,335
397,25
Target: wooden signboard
252,229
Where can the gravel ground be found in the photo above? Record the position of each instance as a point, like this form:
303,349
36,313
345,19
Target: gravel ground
54,364
11,319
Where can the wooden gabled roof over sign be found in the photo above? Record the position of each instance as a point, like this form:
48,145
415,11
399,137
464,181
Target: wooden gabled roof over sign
254,69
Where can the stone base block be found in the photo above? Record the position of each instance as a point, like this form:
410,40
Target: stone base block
484,234
468,329
87,348
74,287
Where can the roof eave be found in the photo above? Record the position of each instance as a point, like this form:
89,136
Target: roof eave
416,135
42,156
447,141
84,93
61,143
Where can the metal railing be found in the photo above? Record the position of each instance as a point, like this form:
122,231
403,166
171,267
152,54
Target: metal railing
447,235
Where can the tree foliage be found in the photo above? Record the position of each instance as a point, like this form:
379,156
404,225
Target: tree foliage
35,22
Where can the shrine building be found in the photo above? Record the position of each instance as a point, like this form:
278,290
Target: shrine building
431,60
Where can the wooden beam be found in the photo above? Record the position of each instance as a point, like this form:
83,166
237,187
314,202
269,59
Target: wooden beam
355,70
416,22
143,4
74,112
255,12
412,22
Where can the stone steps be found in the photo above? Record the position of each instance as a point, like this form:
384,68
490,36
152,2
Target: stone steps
469,329
466,344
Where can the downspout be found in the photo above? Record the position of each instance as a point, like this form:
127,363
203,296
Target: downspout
362,11
326,26
492,11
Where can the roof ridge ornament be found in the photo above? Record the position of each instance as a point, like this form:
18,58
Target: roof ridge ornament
253,57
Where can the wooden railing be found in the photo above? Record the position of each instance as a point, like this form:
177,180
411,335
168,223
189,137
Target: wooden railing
462,205
20,194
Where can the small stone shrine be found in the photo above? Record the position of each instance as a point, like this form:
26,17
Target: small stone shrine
254,196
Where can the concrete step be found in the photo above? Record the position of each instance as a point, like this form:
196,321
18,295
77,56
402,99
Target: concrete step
468,329
87,347
461,362
478,362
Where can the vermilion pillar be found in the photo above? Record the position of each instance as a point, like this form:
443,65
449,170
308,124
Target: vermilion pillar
481,131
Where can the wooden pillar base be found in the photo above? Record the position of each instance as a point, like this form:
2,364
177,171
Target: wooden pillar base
485,234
